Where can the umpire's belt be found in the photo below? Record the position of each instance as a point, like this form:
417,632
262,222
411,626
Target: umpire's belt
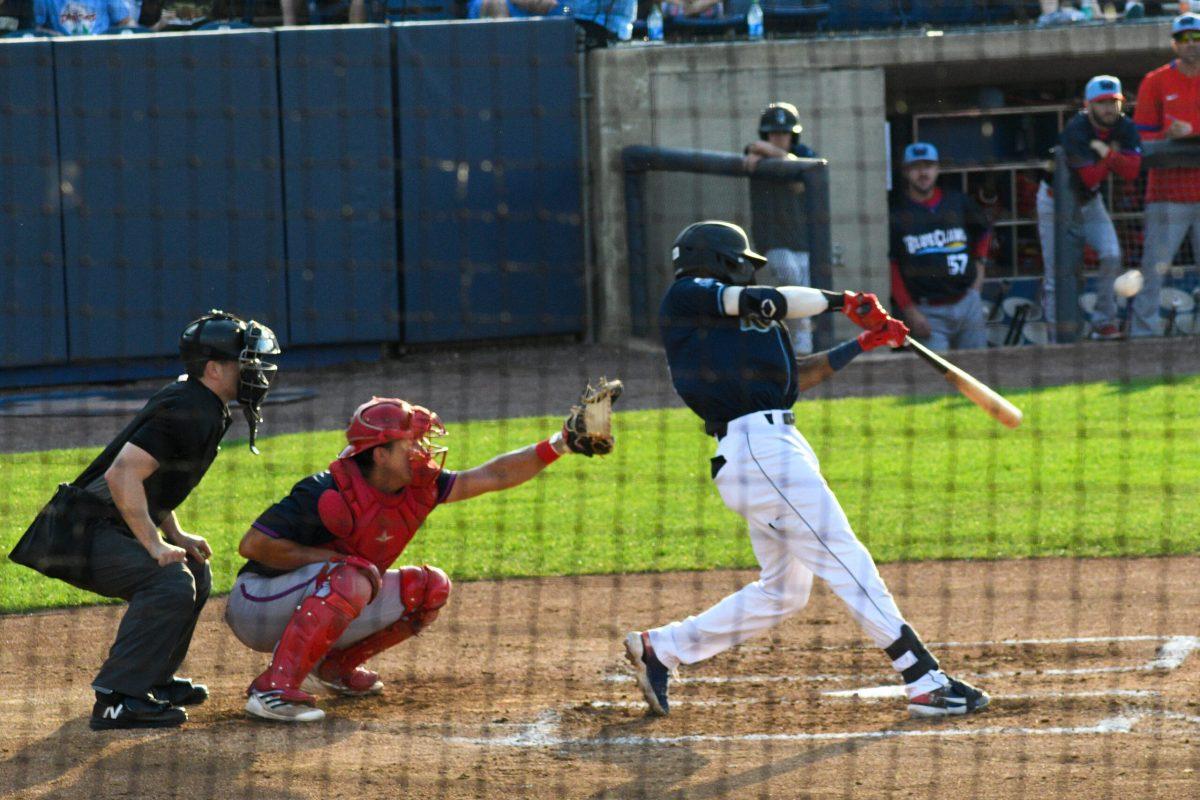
747,421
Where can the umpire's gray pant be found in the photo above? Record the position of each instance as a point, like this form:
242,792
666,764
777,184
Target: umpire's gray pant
1166,225
164,604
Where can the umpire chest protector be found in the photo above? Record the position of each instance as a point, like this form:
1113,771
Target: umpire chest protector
369,523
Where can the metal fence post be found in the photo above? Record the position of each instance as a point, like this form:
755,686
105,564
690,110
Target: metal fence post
1068,254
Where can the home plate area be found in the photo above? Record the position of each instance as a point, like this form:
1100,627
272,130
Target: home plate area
1069,686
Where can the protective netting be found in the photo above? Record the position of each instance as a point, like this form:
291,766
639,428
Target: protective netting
482,219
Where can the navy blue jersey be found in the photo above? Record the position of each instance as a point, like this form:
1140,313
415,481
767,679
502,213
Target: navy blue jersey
724,367
1076,140
295,517
936,246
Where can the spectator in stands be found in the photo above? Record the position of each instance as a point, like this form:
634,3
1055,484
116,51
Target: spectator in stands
1098,141
693,8
777,217
83,17
1059,13
938,249
515,9
1168,107
603,21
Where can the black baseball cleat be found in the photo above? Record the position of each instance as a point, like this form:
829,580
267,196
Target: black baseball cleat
956,697
652,677
181,692
115,711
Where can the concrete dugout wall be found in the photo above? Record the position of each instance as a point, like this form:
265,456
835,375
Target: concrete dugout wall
709,97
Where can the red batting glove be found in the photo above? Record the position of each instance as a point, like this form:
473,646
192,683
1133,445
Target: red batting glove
892,333
864,310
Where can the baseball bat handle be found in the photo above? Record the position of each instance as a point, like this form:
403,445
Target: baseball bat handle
970,387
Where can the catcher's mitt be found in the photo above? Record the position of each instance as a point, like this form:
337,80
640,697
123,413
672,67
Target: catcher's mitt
588,430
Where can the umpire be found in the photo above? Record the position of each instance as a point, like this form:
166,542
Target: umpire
101,532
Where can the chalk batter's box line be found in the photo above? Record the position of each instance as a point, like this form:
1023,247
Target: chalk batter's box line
1170,655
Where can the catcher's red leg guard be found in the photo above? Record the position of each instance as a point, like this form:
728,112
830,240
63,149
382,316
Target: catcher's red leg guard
343,590
423,590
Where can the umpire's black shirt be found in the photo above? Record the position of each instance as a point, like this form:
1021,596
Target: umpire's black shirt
181,426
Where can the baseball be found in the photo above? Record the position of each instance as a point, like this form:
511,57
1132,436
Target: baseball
1128,283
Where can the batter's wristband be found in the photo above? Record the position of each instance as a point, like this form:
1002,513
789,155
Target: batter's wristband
546,452
843,354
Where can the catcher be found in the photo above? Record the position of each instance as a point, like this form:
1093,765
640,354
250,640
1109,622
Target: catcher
317,590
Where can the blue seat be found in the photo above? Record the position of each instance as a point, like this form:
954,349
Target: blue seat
859,15
949,12
27,34
414,10
224,25
790,17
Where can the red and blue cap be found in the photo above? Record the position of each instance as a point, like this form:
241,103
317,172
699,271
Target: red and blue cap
1103,87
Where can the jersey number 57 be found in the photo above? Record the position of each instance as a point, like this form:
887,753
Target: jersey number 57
958,263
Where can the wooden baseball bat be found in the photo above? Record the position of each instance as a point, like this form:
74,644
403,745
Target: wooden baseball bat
970,387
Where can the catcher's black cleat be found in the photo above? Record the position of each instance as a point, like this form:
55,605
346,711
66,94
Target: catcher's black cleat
651,675
114,711
956,697
181,692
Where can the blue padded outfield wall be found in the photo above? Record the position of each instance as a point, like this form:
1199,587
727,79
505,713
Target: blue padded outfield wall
340,184
173,142
344,184
490,177
33,322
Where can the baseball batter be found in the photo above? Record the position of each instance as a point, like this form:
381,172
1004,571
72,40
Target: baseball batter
732,363
317,591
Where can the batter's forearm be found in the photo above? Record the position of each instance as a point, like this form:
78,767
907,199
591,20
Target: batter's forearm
813,370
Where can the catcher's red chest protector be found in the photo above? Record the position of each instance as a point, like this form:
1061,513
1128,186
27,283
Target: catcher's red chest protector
369,523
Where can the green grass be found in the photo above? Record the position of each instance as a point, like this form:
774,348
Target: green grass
1096,470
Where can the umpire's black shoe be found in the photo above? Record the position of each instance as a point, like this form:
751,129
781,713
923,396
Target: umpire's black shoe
114,710
181,692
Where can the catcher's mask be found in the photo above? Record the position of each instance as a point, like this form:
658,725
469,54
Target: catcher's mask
388,419
221,336
715,249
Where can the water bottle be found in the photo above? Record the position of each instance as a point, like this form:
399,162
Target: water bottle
654,24
754,21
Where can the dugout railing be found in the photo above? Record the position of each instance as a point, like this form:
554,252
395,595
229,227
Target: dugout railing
1069,261
639,161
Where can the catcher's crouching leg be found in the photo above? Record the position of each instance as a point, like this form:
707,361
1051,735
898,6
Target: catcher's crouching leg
423,592
343,591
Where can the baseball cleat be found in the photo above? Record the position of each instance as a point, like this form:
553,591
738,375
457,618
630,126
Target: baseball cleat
956,697
274,705
650,673
359,682
115,711
181,692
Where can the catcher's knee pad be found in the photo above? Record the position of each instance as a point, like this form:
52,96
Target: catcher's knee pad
914,660
346,585
423,591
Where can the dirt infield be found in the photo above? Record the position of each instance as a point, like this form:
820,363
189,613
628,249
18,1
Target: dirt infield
519,691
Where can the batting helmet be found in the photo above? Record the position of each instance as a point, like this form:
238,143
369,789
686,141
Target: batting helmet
715,249
388,419
780,118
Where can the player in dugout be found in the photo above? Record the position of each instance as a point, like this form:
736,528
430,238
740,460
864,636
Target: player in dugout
1098,141
1168,107
938,249
317,591
101,531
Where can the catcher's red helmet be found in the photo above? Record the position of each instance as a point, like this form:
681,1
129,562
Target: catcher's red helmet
387,419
